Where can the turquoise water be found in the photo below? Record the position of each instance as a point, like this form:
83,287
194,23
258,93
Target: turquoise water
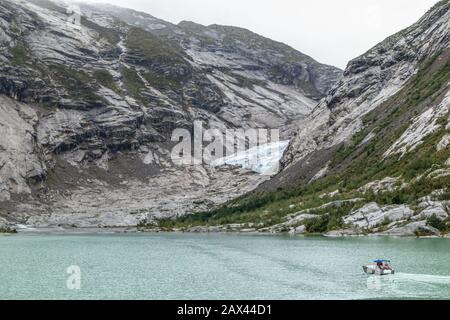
186,266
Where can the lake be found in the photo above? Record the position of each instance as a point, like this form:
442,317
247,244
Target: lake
218,266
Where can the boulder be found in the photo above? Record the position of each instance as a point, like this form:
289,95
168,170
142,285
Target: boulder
445,141
387,184
431,208
299,218
439,173
341,233
372,215
412,229
298,230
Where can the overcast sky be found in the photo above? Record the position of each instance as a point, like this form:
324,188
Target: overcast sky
330,31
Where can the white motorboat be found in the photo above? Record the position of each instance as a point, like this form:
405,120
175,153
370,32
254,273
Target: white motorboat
379,267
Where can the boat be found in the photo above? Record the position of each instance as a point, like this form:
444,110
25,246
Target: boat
379,267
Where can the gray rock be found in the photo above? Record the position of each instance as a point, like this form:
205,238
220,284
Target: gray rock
20,156
298,230
298,218
88,113
342,233
430,208
384,185
412,229
445,141
372,215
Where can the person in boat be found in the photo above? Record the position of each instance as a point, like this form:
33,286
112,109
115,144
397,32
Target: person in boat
380,265
387,266
383,265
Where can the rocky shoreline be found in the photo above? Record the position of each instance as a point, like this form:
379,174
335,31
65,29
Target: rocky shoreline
366,219
227,229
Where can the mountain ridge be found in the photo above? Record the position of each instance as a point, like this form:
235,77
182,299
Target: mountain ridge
373,156
89,108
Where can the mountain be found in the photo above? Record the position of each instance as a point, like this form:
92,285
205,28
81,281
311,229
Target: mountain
369,81
89,100
373,156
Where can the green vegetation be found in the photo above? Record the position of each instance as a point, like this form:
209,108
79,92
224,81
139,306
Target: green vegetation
354,165
106,79
197,31
437,223
235,35
330,218
426,87
75,81
20,55
165,62
245,82
363,163
162,82
318,225
133,83
15,30
7,230
112,36
153,48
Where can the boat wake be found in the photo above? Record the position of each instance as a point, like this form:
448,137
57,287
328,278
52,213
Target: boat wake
426,278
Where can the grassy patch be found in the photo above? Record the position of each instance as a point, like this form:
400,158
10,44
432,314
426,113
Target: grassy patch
330,218
7,230
20,55
428,87
106,79
153,48
162,82
133,83
112,36
76,82
437,223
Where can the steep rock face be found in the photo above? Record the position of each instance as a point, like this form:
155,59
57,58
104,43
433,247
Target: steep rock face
278,62
368,81
421,127
373,157
89,104
21,159
260,82
371,215
240,62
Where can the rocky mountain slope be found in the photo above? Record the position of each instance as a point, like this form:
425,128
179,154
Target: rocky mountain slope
373,157
368,82
88,103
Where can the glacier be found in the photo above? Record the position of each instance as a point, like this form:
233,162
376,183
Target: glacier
262,159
